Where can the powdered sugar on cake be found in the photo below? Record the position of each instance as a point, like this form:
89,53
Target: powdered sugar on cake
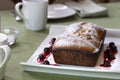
80,34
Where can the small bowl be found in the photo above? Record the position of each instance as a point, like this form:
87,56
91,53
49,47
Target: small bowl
12,34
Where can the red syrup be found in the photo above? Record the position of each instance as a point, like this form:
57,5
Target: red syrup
109,55
43,61
42,58
46,51
114,52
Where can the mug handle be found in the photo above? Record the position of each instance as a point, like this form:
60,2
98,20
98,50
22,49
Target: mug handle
19,10
7,50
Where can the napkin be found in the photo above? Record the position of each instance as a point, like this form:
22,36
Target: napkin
88,8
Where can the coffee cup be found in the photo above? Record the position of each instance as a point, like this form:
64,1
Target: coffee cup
4,42
4,54
33,13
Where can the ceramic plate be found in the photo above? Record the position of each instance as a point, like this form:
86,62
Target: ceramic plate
57,11
112,72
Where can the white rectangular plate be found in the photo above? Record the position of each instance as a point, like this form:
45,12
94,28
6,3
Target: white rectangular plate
113,72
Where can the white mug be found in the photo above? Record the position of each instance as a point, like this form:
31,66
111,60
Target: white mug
4,54
4,42
4,58
34,13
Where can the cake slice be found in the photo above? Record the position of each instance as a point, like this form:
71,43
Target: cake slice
80,44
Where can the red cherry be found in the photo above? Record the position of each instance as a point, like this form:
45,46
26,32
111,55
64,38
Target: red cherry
46,51
52,41
46,62
106,63
41,58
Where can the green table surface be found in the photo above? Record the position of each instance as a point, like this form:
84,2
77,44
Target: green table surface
28,41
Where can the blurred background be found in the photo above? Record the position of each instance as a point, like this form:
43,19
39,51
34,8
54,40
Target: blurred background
8,4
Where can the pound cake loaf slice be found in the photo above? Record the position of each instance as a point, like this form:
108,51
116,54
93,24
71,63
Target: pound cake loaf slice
80,44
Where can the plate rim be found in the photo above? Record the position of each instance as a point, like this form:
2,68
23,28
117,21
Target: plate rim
73,12
27,66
